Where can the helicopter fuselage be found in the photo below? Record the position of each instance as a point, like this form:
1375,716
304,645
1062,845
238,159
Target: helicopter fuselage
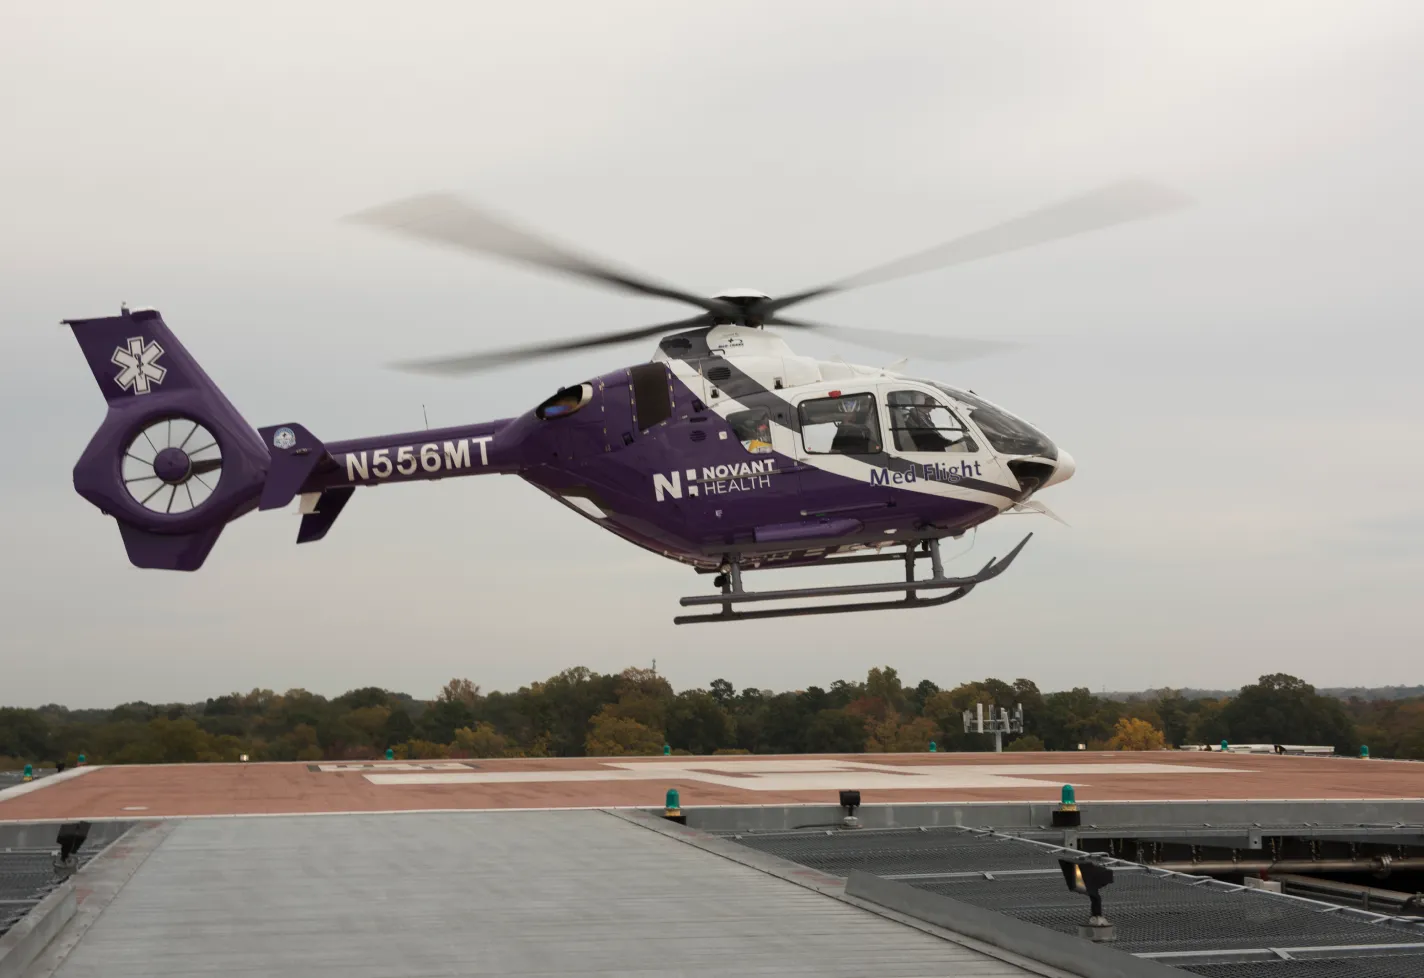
729,444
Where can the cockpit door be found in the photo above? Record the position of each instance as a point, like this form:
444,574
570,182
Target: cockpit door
840,453
924,430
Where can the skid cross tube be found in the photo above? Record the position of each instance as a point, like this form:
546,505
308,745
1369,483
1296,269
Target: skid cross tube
732,593
757,559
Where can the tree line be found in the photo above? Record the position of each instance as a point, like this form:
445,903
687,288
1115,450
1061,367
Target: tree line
583,713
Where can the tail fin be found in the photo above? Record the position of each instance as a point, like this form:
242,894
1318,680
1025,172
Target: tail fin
173,461
296,455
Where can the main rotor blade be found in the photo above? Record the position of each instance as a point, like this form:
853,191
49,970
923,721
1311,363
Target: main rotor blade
476,362
941,349
445,219
1116,203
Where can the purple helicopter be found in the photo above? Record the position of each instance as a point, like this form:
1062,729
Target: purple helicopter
727,451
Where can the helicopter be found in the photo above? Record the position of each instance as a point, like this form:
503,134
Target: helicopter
726,451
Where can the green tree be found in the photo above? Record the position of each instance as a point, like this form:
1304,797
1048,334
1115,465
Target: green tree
1281,709
363,698
564,707
1172,710
1028,742
1206,724
442,718
644,696
24,734
697,722
915,699
1075,717
884,685
836,732
399,728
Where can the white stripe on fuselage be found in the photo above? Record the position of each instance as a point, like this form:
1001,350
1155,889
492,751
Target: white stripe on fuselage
843,465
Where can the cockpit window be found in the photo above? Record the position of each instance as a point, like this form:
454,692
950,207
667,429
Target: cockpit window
753,429
1008,434
920,423
845,425
565,402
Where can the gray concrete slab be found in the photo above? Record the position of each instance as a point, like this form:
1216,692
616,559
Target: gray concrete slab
529,894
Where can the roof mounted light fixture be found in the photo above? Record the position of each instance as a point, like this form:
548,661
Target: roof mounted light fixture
1085,876
850,801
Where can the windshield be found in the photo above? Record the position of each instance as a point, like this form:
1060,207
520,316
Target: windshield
1006,433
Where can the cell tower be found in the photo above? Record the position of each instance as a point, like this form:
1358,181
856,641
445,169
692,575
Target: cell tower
998,722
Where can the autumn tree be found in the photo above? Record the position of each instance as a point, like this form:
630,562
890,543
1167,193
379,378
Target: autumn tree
482,741
612,735
460,691
1132,733
901,736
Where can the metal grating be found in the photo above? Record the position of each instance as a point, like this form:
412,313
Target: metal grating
26,877
1154,913
899,852
1372,966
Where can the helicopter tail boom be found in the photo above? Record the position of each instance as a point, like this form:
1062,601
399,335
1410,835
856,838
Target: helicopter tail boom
174,462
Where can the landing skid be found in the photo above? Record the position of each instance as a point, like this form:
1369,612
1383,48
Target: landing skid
733,594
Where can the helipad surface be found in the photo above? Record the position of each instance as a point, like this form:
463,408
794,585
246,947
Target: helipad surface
552,783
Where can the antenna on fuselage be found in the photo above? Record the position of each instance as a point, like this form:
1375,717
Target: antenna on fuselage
425,414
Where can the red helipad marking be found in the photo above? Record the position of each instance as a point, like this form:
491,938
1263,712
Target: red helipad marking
265,789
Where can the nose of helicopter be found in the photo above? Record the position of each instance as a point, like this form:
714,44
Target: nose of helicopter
1063,471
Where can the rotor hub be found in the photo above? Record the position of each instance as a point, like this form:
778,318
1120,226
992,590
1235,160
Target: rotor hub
742,297
172,465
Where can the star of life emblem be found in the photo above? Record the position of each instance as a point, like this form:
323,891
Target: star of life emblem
140,365
284,438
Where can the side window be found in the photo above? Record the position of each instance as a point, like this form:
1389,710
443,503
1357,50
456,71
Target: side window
846,425
920,423
753,429
652,396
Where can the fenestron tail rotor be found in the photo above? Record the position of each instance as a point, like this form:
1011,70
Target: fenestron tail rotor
444,219
172,466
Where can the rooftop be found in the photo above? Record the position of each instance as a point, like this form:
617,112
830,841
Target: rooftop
564,866
229,789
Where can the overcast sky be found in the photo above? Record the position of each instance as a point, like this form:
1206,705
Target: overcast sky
1238,382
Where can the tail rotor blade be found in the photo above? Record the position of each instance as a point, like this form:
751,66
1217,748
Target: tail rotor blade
445,219
1116,203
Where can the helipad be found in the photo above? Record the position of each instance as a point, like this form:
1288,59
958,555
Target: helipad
620,782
